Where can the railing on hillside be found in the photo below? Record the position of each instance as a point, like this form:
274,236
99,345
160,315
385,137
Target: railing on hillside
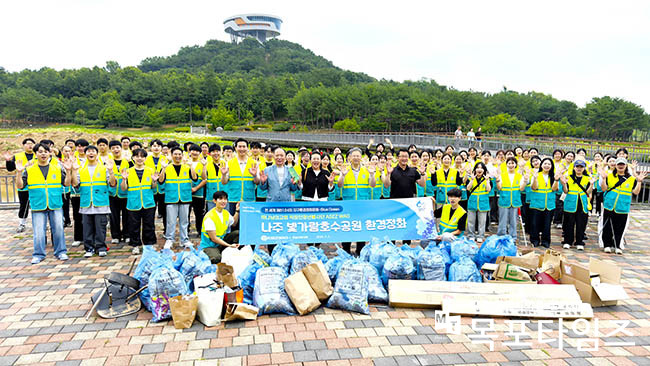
8,191
545,147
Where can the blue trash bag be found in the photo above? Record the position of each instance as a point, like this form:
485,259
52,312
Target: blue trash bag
246,279
398,266
164,283
351,288
320,253
367,249
446,245
432,264
301,260
381,253
494,247
463,247
464,270
376,290
334,265
194,263
413,253
283,255
269,294
150,260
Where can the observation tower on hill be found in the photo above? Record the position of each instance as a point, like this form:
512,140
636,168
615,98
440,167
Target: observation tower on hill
259,26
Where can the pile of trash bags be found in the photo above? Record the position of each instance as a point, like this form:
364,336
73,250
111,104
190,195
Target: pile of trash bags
356,280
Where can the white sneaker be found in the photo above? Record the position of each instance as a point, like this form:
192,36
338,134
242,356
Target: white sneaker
88,254
115,241
21,228
127,240
135,251
75,243
607,250
558,226
619,251
102,254
580,247
168,244
566,246
188,244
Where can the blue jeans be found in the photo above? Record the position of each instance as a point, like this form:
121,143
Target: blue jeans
39,225
508,221
180,211
210,205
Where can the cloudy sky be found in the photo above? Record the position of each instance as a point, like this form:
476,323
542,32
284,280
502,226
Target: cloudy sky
574,50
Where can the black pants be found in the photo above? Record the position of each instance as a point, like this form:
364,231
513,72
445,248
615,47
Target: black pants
78,221
494,211
559,210
119,218
94,227
613,228
574,223
360,244
145,219
66,209
23,198
599,202
198,206
162,208
540,223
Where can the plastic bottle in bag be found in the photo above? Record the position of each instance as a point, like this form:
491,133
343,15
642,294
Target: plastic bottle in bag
351,289
269,294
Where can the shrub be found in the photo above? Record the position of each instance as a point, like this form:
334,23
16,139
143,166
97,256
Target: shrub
281,127
182,129
348,124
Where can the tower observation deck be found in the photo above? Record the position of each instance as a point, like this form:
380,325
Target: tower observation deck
259,26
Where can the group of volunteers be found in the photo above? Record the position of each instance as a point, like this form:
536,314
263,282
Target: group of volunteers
125,183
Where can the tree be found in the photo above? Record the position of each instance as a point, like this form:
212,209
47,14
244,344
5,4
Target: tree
220,117
348,124
549,128
614,118
114,113
503,123
80,116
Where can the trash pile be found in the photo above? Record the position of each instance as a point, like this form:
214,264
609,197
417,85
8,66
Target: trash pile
250,282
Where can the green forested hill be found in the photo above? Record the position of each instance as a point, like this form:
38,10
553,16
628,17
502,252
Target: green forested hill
230,85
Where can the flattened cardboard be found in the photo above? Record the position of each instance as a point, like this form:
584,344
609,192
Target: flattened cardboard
523,308
580,276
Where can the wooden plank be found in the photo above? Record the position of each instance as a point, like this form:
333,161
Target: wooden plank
423,294
520,309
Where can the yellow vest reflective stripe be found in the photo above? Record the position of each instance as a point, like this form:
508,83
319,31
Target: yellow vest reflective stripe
93,190
139,193
449,223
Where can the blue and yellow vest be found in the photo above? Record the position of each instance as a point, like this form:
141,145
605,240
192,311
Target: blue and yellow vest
617,200
447,223
93,190
178,188
444,185
213,181
22,157
45,192
199,173
510,195
139,193
375,193
542,198
221,227
358,189
479,199
117,171
240,186
571,198
149,162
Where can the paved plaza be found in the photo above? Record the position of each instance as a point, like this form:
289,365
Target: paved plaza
43,307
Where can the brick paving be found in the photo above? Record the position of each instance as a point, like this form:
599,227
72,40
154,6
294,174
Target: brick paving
42,310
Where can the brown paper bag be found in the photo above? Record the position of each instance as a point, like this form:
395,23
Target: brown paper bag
301,294
511,272
319,280
226,274
551,263
183,309
240,312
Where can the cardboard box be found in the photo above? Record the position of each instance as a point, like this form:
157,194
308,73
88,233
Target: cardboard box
598,284
493,272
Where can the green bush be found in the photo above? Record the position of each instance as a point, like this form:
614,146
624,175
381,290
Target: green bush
281,127
260,126
182,129
348,125
549,128
101,126
503,123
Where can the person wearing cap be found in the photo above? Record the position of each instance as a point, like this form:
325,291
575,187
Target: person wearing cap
577,205
618,187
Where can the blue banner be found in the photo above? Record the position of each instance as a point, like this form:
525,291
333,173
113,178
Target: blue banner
335,221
